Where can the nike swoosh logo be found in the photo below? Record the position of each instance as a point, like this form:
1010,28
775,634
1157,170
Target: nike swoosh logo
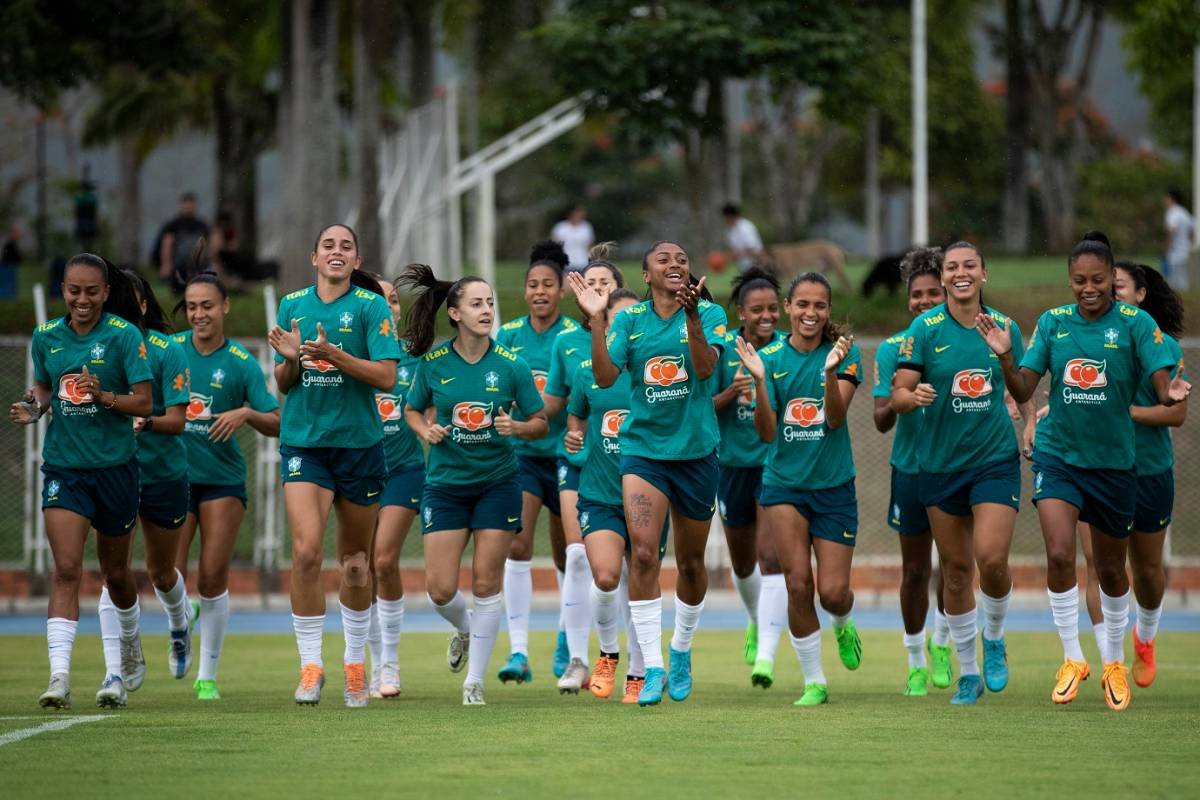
1163,522
55,349
300,319
942,348
516,349
446,380
372,494
778,375
732,363
1062,334
1015,499
848,535
570,350
414,499
1112,696
512,519
179,520
633,336
1067,689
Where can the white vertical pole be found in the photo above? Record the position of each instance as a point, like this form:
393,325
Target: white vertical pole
920,163
34,435
485,233
1195,140
266,482
453,198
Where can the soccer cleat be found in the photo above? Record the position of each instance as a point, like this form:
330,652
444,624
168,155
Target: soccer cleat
917,684
604,677
679,678
179,653
1144,667
112,693
1067,680
995,664
652,687
633,688
1115,682
940,670
750,647
355,694
815,694
389,682
970,689
562,655
473,694
58,693
763,674
574,678
206,689
849,645
376,670
516,669
133,663
456,651
312,680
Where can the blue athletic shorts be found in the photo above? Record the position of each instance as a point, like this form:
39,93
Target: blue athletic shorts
1155,502
201,493
906,514
957,492
690,485
355,473
496,506
108,497
737,495
165,504
603,517
1106,498
568,476
404,487
539,477
832,513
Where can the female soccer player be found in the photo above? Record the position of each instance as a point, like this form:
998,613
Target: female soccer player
670,345
757,575
90,367
922,272
1098,352
162,507
476,387
228,390
532,337
970,471
803,386
398,506
334,348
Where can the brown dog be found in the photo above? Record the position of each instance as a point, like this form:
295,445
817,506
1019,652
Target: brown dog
816,255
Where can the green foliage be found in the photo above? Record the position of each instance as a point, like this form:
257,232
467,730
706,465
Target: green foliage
1159,39
1122,196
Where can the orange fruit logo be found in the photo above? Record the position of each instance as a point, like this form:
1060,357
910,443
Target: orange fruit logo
388,406
539,380
665,370
611,423
199,407
805,412
472,415
1085,373
68,392
972,383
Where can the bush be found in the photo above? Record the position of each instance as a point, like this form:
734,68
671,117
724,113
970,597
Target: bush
1122,196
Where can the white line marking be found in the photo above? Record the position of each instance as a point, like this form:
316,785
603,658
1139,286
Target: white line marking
12,718
46,727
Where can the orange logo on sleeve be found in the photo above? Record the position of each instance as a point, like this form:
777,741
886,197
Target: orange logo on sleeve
179,382
142,350
385,327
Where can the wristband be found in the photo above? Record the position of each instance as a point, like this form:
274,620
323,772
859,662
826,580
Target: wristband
111,405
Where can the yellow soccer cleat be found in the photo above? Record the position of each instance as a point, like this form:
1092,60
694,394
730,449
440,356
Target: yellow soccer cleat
1115,682
1067,680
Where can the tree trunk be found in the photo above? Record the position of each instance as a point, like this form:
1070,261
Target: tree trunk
767,138
871,193
367,125
236,180
1016,133
129,200
422,51
810,172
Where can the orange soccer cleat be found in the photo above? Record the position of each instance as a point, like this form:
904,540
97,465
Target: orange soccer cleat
633,687
1144,668
1067,680
1115,682
604,676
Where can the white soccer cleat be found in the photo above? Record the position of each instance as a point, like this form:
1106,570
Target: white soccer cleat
133,663
456,653
473,694
179,653
112,693
376,671
58,693
389,681
356,693
573,678
312,679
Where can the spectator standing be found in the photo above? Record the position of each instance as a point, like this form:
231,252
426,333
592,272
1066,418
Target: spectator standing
742,237
1180,225
176,243
576,235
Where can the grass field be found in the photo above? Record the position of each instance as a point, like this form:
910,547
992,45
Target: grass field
727,740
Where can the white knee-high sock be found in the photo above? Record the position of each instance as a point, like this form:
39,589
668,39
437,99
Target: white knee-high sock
518,599
455,612
391,621
355,626
485,624
749,589
1147,622
772,616
214,619
963,632
1064,607
604,612
914,643
995,610
647,623
60,640
637,664
941,629
1116,617
128,619
576,611
110,633
561,575
808,650
375,638
840,620
1101,634
309,632
687,619
175,602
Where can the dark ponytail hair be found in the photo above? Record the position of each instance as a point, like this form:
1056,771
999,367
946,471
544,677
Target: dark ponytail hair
548,253
420,321
122,296
153,318
832,330
749,280
600,255
1161,302
1096,246
922,261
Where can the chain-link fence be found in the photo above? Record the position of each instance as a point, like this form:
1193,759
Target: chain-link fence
264,541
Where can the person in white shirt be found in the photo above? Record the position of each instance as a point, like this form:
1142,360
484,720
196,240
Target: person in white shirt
576,236
1179,224
741,236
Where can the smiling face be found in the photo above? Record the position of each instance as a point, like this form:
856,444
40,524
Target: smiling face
543,291
84,291
924,292
336,255
600,278
206,310
475,309
808,308
1092,282
1125,288
759,311
963,274
666,268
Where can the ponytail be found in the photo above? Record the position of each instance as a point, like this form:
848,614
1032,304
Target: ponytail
548,253
1161,302
420,321
365,280
153,318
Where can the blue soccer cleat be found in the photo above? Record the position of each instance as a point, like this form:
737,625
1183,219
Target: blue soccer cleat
970,689
516,669
679,679
995,664
562,655
652,688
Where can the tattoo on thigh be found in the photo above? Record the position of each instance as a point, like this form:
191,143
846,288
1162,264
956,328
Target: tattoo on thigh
639,511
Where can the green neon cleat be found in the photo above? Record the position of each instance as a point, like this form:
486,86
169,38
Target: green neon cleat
849,645
917,684
763,674
206,690
940,670
815,694
750,648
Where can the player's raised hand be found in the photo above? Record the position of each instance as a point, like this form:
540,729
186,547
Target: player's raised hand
997,338
751,360
286,343
318,349
689,295
841,349
504,423
592,299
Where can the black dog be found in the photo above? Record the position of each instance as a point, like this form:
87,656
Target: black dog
885,274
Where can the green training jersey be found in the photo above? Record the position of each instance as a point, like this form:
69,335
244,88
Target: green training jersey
225,379
162,457
906,436
401,447
967,424
1095,369
82,433
467,397
571,348
326,408
671,415
740,445
604,410
806,454
1153,453
536,350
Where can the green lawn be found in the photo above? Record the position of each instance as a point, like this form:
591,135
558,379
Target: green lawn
728,740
